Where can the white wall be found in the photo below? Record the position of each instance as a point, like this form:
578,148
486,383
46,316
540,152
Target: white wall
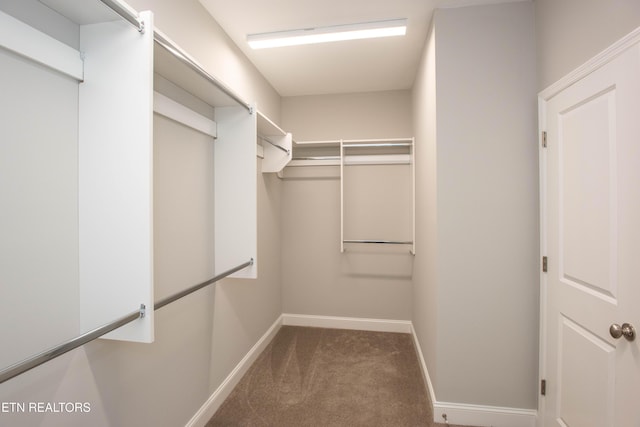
485,277
570,32
371,282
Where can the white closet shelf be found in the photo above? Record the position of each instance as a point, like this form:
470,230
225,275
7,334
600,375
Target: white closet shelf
22,39
324,143
176,65
277,147
88,12
39,47
336,142
173,110
267,127
327,152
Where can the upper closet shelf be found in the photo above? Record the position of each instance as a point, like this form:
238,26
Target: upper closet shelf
177,66
277,145
94,12
170,60
385,151
24,40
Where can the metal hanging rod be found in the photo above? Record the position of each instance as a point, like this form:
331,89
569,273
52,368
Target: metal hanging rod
126,13
59,350
168,300
52,353
384,242
378,144
132,16
317,158
264,138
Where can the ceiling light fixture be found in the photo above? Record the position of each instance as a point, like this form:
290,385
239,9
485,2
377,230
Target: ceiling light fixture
364,30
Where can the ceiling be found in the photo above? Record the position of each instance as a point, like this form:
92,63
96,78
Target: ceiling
340,67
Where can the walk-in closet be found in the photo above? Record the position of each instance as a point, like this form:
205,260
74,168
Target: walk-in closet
206,221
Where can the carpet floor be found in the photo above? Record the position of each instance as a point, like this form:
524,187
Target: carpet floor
329,377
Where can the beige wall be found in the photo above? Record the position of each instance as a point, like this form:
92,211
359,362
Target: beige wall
370,282
348,116
569,32
486,231
425,271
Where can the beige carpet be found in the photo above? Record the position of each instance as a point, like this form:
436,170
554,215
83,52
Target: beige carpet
329,377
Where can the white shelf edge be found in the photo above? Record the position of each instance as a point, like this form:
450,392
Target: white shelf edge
277,149
326,143
26,41
299,163
336,142
173,110
267,127
373,159
378,159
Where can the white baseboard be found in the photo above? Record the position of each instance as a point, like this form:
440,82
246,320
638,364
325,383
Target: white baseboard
214,402
357,323
476,415
423,366
489,416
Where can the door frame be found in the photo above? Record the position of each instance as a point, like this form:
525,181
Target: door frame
544,96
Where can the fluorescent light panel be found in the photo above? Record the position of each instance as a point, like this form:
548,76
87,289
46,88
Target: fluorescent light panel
365,30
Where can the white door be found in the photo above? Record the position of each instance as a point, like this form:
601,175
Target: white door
591,235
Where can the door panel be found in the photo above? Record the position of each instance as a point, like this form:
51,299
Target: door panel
587,200
586,364
591,223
